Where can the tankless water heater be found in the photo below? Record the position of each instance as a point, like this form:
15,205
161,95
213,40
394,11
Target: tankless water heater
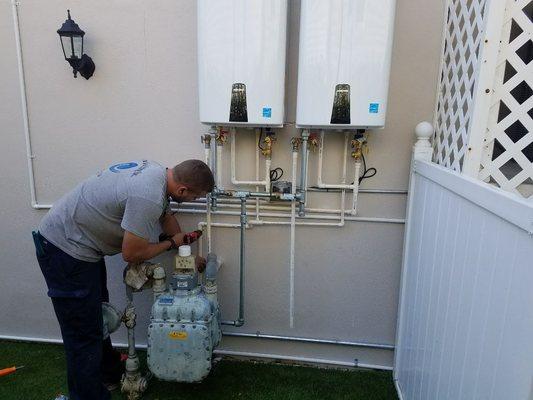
241,61
344,63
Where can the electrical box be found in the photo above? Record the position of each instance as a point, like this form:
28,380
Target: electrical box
344,63
241,61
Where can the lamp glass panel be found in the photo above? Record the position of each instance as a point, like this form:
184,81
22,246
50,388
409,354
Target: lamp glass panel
78,46
66,42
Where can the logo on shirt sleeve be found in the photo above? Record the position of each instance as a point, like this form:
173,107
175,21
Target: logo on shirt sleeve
122,166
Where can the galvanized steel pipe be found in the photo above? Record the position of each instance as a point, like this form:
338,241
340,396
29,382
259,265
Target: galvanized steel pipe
259,335
355,363
240,319
303,173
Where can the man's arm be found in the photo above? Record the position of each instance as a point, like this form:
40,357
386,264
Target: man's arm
169,224
136,249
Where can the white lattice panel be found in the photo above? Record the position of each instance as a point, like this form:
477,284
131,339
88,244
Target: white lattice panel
508,155
459,69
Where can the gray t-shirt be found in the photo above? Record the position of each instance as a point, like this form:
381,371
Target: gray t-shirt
89,222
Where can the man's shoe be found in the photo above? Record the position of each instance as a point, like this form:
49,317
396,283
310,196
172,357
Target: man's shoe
112,377
111,386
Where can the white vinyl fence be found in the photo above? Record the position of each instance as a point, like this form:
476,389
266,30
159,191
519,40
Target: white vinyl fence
465,324
465,328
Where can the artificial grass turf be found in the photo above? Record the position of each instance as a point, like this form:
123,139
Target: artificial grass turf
44,376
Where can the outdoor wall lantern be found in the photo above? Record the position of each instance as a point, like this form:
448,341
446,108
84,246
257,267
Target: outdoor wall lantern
72,43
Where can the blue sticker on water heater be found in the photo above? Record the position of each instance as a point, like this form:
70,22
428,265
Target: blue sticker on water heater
373,108
267,112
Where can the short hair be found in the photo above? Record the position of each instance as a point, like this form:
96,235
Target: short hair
194,174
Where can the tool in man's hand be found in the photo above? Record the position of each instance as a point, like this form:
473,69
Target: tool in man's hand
188,238
10,370
192,237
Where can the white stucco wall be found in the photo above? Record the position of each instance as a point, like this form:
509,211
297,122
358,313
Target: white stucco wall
142,102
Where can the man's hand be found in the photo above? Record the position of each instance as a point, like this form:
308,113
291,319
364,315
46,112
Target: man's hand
179,238
192,237
200,264
182,238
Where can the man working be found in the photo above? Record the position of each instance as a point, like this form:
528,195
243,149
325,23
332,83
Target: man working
117,210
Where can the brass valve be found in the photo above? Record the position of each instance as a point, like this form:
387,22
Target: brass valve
313,141
359,146
221,136
268,141
296,142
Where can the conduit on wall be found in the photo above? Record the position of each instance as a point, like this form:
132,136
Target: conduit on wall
24,108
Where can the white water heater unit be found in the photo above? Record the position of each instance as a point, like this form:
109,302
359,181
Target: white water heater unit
344,63
241,61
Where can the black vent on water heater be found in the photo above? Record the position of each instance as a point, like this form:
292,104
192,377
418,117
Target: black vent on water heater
238,111
341,105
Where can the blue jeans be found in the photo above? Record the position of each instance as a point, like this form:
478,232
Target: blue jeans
77,289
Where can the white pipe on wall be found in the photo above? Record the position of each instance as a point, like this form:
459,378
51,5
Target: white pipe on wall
305,188
219,165
320,183
275,208
208,209
268,162
292,239
257,138
230,203
355,191
234,181
379,220
315,189
286,215
24,109
271,208
354,187
265,223
339,224
208,226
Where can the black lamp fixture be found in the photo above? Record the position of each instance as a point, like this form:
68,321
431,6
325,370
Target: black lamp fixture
72,43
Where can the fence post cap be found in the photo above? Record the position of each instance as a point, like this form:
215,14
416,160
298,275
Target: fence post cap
424,130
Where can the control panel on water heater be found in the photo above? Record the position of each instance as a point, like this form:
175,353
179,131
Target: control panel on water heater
344,63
